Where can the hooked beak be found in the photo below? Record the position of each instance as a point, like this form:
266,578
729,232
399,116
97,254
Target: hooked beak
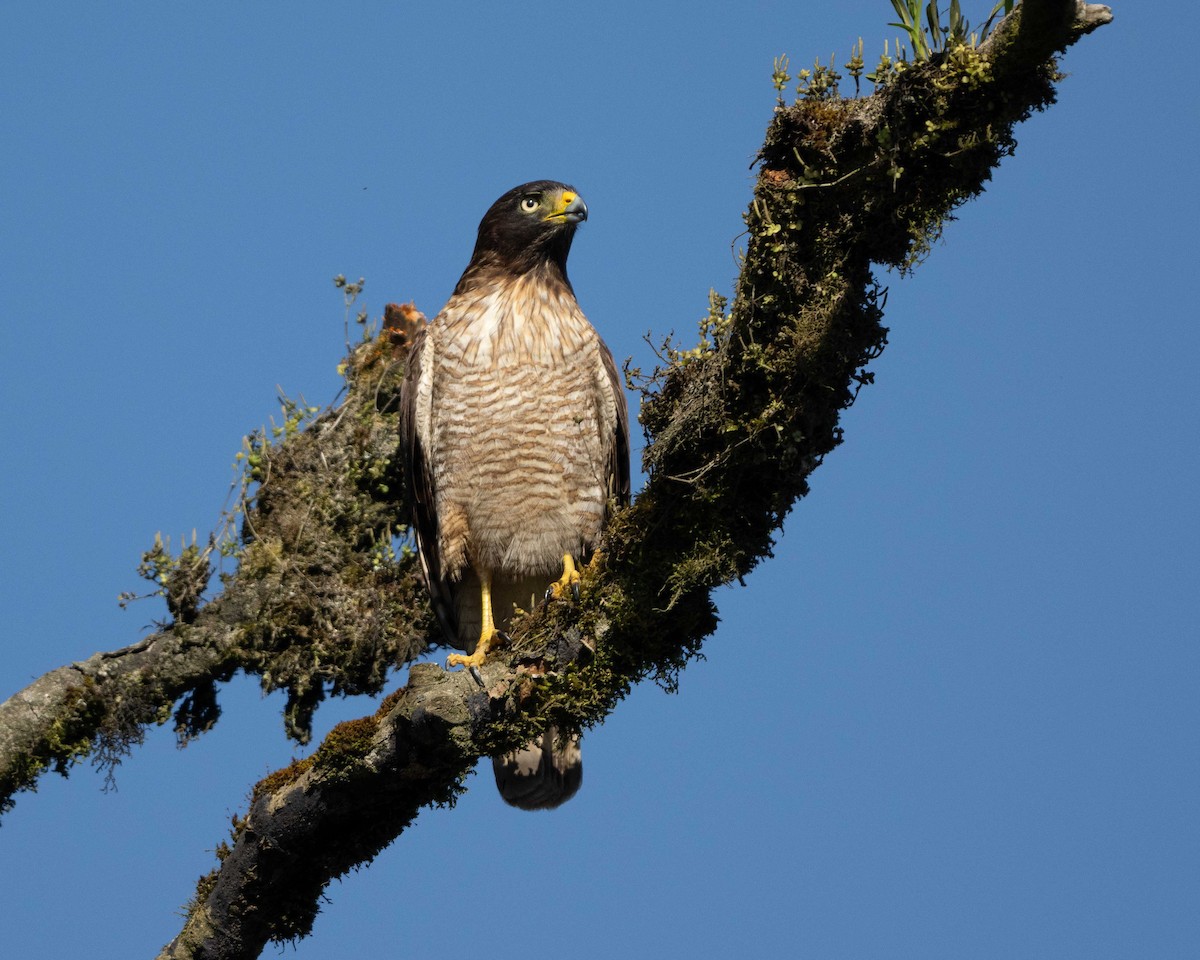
570,208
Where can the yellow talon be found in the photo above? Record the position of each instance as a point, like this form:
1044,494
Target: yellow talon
487,634
569,579
482,645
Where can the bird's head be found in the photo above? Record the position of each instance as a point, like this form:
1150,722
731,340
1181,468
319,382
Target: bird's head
530,226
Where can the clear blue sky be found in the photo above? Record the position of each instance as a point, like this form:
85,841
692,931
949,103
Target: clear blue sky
956,716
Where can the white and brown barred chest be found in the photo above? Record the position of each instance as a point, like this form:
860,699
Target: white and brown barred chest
520,429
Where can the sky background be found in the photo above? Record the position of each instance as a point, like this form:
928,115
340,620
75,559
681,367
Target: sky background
955,716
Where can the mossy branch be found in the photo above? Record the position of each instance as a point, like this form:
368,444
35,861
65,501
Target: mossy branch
318,604
734,427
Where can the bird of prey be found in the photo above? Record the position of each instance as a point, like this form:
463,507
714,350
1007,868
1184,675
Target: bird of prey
516,434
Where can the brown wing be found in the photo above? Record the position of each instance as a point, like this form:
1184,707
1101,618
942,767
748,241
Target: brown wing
422,497
618,462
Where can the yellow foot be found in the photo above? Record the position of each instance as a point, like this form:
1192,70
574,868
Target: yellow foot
486,641
487,634
568,581
459,660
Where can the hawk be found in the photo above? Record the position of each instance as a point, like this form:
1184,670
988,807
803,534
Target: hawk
516,434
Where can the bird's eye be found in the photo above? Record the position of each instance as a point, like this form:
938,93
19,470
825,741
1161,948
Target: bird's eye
529,204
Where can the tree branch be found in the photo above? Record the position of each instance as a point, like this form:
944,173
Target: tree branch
368,781
1041,29
316,605
734,426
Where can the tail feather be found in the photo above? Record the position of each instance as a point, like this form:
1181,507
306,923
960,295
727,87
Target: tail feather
544,775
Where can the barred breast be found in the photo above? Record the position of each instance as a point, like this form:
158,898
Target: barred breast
521,424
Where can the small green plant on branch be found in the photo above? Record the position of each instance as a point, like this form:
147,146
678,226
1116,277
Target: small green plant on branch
932,36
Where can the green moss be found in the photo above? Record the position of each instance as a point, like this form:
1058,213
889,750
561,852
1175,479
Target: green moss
273,783
326,595
344,749
204,887
734,426
389,703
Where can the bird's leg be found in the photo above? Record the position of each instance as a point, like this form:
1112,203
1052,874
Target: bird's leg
568,580
487,633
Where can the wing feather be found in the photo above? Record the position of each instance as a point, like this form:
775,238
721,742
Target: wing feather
618,458
414,439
